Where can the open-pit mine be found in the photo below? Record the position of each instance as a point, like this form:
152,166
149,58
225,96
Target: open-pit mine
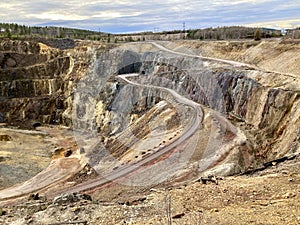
164,132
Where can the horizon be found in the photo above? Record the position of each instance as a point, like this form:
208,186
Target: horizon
127,16
144,31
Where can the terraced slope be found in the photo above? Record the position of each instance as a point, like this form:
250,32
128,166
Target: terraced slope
125,126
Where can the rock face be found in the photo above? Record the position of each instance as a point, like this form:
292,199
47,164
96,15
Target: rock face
36,81
79,88
265,105
270,115
31,81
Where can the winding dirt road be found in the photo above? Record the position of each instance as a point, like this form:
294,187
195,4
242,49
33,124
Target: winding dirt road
230,62
54,173
58,171
233,63
127,169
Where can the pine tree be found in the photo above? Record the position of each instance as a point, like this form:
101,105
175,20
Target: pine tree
7,32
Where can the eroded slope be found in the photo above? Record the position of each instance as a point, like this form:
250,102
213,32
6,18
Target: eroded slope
250,115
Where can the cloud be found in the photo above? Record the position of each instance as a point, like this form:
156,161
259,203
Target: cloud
131,15
278,24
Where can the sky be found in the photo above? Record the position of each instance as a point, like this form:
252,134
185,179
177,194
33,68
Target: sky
125,16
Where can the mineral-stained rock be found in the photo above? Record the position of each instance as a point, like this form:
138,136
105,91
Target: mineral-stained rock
5,137
34,197
68,153
70,198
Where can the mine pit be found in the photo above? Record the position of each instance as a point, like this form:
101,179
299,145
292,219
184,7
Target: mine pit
116,121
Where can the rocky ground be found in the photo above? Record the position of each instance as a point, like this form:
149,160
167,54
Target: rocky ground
270,196
25,153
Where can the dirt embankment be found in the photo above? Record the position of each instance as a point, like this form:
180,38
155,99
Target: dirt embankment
272,55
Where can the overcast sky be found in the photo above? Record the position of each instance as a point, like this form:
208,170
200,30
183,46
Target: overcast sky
149,15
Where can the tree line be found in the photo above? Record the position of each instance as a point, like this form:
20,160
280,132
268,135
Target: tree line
13,30
233,32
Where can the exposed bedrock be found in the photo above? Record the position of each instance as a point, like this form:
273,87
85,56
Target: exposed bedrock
79,88
263,104
36,81
270,115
